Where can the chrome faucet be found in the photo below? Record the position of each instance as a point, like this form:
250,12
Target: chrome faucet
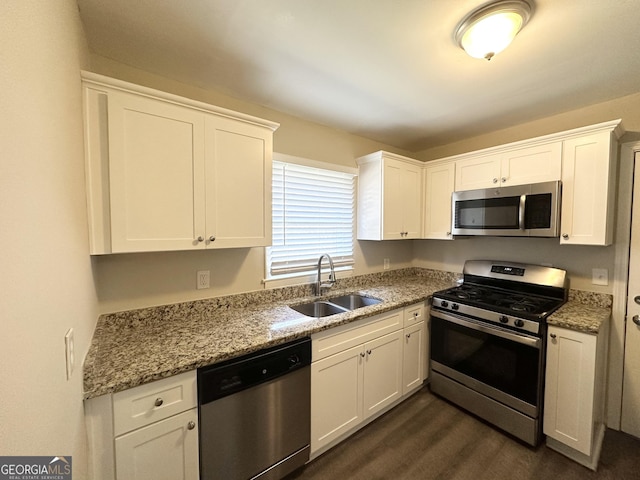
332,275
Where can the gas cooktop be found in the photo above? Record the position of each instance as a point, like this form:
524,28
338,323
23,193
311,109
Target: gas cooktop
516,296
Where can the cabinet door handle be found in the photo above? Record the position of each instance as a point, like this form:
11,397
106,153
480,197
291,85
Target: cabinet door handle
362,354
636,320
448,234
504,179
368,352
637,299
408,335
158,402
200,238
565,236
212,238
191,425
553,336
495,180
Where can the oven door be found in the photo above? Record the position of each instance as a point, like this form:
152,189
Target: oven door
503,365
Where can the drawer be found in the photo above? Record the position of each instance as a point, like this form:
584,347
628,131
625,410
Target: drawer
343,337
414,314
143,405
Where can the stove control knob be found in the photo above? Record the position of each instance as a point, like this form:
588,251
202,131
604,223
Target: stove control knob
454,306
519,323
504,319
444,304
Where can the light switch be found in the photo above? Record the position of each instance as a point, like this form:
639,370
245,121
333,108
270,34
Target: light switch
600,276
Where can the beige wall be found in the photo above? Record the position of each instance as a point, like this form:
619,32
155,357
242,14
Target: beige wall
46,285
140,280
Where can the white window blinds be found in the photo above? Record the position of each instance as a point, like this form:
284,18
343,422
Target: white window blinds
313,212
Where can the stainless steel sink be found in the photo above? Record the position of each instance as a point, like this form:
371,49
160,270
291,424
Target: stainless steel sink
318,309
334,305
353,301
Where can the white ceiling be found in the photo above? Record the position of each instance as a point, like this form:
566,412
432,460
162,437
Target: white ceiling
383,69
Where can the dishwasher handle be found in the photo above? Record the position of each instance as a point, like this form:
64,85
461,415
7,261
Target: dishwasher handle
223,379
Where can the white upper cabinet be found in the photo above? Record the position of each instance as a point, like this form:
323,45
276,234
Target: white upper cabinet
168,173
438,188
477,172
588,189
389,197
533,164
539,163
238,179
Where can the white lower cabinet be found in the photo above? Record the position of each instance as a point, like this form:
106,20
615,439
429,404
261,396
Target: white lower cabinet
574,393
362,369
146,432
164,450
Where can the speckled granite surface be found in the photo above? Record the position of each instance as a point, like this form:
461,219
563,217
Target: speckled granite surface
139,346
584,312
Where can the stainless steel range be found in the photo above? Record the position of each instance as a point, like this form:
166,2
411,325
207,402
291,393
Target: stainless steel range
488,342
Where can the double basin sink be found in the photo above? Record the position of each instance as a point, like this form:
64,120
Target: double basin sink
335,305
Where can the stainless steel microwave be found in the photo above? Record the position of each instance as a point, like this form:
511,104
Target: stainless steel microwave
531,210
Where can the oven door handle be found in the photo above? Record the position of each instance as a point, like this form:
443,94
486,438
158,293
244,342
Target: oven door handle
498,332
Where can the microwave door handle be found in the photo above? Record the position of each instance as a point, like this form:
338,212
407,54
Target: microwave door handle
523,202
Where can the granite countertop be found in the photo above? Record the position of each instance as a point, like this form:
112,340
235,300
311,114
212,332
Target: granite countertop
584,312
138,346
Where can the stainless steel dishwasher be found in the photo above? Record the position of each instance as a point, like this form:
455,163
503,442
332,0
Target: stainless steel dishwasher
255,414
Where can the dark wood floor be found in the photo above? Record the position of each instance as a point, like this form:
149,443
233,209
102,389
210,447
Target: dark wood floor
428,438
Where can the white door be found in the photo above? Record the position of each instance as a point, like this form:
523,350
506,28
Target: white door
156,170
165,450
336,396
382,372
630,422
392,210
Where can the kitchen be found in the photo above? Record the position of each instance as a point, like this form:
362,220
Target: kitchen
45,239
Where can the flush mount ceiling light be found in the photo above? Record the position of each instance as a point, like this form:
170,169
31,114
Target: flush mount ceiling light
490,29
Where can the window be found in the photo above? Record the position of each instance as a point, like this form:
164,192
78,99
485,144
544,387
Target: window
313,214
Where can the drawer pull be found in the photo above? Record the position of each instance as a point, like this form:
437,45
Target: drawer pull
158,402
368,352
408,335
362,354
191,425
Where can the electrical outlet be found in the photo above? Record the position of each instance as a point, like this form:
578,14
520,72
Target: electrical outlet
203,278
386,264
600,276
69,352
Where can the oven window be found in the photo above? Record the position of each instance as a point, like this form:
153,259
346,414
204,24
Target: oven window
488,213
502,364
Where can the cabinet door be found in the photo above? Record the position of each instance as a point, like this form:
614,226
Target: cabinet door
569,388
413,363
542,163
156,167
336,396
393,200
382,372
238,184
438,186
412,201
165,450
588,177
479,172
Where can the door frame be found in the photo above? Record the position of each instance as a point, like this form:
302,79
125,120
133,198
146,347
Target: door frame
624,206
